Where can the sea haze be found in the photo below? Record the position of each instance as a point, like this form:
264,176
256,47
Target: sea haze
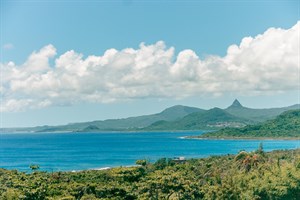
82,151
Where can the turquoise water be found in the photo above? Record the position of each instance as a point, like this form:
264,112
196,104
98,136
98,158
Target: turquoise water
79,151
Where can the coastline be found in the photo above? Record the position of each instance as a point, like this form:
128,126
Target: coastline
67,152
144,182
242,138
104,131
134,166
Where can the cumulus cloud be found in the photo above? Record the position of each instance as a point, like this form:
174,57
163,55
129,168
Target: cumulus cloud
266,63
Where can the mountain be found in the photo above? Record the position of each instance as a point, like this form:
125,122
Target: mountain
174,118
285,125
211,119
131,123
236,115
235,105
257,115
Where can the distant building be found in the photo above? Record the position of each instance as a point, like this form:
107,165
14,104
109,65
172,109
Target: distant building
180,159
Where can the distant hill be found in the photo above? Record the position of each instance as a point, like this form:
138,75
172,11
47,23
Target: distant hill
131,123
285,125
257,115
211,119
174,118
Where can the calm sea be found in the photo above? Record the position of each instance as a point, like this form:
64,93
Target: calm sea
79,151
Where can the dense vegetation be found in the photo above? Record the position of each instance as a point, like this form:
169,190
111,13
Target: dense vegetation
215,118
247,175
286,125
257,115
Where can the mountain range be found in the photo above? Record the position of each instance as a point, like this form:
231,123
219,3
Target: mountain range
285,125
257,115
211,119
174,118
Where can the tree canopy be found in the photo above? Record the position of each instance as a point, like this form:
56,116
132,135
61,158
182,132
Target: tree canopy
247,175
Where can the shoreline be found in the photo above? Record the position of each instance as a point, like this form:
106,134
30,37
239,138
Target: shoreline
242,138
104,132
29,171
134,165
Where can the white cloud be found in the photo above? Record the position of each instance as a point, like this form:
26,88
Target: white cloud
267,63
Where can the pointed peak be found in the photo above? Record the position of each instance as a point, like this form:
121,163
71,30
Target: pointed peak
236,104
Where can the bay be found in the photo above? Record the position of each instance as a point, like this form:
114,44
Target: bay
82,151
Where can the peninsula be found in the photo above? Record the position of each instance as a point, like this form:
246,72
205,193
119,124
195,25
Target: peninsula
284,126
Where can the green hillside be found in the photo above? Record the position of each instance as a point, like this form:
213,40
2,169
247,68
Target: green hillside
173,118
131,123
257,115
285,125
212,119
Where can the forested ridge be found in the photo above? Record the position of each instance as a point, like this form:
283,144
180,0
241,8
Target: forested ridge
247,175
177,117
285,125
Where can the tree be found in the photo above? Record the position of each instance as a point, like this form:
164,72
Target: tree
141,162
260,149
34,167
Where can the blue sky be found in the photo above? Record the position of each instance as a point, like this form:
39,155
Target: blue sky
207,28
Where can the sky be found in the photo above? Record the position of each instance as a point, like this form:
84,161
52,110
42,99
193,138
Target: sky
73,61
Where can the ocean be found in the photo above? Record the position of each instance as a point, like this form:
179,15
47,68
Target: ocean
83,151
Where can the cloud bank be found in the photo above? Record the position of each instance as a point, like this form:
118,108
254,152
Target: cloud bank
267,63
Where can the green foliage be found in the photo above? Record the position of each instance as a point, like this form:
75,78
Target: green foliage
34,167
286,125
142,162
163,163
257,115
260,149
215,118
90,128
247,175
